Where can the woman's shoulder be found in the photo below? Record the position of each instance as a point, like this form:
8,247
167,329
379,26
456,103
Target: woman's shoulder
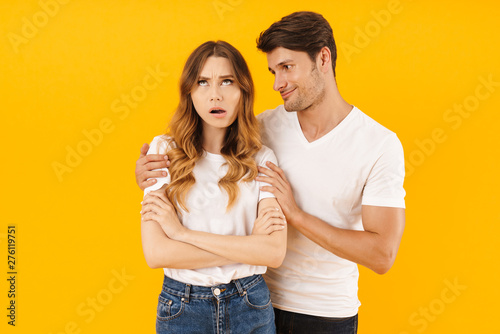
265,154
161,144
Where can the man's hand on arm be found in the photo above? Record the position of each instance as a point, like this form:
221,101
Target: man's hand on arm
281,188
145,166
375,247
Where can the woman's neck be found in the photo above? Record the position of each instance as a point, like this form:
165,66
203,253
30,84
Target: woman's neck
213,140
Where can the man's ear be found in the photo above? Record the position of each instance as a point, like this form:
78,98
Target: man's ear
324,59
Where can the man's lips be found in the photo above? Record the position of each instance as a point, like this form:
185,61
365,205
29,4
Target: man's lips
286,94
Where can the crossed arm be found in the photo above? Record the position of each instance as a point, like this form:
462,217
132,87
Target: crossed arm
375,247
168,244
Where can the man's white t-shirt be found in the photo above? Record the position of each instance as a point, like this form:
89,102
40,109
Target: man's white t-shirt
357,163
207,205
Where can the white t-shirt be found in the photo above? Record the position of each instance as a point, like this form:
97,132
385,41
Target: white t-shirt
207,205
357,163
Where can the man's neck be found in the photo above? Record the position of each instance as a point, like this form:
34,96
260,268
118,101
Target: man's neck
323,117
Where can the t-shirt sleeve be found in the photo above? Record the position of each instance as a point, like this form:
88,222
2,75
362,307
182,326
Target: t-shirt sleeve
158,146
384,186
265,155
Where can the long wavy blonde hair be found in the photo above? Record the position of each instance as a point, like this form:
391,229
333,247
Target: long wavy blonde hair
242,140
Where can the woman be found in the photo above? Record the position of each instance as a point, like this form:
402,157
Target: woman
207,223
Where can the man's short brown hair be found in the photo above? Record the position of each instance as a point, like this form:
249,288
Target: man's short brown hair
300,31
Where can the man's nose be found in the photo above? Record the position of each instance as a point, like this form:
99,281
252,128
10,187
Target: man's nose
279,82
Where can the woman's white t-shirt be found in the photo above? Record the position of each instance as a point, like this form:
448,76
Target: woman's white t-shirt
207,205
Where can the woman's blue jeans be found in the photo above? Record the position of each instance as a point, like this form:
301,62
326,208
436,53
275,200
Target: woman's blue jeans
241,306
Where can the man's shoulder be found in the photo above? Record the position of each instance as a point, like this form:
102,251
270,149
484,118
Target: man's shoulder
373,126
375,136
266,114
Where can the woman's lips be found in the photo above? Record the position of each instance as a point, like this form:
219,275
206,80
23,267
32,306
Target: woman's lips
217,112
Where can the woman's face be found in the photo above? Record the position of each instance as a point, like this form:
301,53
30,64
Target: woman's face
216,95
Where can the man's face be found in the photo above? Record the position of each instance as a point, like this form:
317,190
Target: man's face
297,78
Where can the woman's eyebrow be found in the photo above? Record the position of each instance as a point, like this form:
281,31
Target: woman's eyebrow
226,76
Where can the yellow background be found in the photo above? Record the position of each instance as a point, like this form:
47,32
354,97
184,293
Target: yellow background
77,232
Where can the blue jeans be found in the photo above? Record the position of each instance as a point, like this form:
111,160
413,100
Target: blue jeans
296,323
241,306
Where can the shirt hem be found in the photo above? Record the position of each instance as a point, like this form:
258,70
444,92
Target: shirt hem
346,314
387,202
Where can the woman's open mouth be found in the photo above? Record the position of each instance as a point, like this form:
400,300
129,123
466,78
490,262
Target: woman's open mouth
218,112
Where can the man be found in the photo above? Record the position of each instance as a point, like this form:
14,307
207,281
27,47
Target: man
340,182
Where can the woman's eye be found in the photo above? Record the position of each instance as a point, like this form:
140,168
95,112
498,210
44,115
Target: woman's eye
202,82
287,67
227,82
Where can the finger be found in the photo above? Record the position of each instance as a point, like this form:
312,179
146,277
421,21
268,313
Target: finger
280,175
272,222
276,169
266,171
161,195
150,199
149,207
144,184
153,174
275,228
273,214
271,177
155,165
276,224
153,157
273,190
268,209
274,181
150,216
144,150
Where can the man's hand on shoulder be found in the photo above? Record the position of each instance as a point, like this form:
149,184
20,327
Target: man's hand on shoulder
145,166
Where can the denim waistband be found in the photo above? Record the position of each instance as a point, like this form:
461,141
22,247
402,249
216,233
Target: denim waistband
188,291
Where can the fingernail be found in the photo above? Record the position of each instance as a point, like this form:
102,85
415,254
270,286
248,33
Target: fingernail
164,173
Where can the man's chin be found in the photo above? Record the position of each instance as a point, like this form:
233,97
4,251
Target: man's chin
289,107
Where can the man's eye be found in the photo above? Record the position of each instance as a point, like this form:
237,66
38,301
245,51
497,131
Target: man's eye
287,67
202,83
